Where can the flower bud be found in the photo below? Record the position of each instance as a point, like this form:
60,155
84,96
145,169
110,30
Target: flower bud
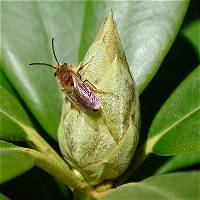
100,145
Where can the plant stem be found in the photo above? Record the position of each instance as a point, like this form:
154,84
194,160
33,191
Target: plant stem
99,195
51,165
47,159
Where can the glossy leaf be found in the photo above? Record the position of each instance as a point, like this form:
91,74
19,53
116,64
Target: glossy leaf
13,161
6,85
180,161
147,31
192,33
14,119
175,128
3,197
15,123
183,185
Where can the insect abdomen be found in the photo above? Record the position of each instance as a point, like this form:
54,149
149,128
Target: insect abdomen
86,95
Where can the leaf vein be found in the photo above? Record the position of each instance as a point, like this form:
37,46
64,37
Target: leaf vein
152,141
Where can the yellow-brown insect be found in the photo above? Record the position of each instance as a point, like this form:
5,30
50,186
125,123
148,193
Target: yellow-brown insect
75,89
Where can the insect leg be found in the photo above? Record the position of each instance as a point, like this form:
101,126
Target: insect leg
98,90
81,66
72,99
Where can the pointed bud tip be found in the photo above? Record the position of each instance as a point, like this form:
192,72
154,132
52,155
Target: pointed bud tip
110,16
110,13
107,27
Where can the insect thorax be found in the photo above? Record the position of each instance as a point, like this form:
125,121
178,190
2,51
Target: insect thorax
64,75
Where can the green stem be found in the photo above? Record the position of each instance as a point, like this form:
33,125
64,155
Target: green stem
47,159
51,165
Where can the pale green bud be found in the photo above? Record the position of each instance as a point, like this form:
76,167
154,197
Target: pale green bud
101,145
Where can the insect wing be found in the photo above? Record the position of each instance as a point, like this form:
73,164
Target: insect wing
86,95
70,95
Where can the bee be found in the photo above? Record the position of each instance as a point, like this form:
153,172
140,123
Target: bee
78,91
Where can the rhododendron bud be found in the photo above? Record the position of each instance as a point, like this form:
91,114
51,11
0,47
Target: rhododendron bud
100,145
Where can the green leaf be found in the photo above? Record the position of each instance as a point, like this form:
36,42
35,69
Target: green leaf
9,129
183,185
3,197
37,85
16,126
147,30
192,33
14,162
5,84
14,120
180,161
175,128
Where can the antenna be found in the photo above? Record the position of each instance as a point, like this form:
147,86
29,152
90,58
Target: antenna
54,51
43,64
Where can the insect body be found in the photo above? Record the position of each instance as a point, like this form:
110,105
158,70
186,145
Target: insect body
77,91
